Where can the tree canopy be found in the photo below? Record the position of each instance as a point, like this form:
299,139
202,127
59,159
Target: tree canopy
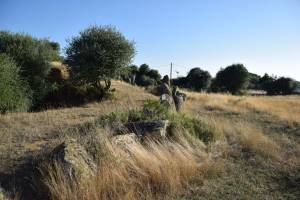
233,79
198,79
32,56
97,54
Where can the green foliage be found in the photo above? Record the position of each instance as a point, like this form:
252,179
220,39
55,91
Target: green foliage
277,86
144,80
254,81
197,127
128,73
154,110
146,76
69,95
144,69
154,74
180,82
198,79
97,54
14,94
232,79
33,56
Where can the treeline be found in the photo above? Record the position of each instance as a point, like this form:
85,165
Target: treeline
234,79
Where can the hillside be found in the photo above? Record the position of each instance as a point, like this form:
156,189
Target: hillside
254,153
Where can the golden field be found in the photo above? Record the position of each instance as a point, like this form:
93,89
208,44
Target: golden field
255,154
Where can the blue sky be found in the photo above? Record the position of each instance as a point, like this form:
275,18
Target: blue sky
264,35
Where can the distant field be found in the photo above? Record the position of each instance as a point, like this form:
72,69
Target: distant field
255,155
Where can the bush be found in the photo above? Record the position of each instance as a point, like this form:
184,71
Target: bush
146,76
232,79
198,79
154,110
14,93
68,95
97,54
144,80
278,86
254,82
154,74
180,82
33,56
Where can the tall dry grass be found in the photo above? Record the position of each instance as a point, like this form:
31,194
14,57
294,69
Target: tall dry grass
152,171
284,107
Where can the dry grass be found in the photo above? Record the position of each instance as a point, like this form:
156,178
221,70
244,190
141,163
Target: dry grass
154,171
164,171
284,107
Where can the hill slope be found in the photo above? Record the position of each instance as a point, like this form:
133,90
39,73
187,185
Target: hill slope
255,156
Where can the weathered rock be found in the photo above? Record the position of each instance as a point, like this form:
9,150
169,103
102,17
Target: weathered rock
164,89
183,95
156,129
166,99
178,98
74,159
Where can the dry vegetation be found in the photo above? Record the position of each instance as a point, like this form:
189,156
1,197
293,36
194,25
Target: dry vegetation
254,156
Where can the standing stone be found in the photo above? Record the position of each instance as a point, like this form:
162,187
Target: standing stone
178,98
164,88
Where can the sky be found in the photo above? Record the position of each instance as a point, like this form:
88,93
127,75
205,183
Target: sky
264,35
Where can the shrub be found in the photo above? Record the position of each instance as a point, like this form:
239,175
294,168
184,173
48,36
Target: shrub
180,82
197,127
284,86
254,82
232,79
68,95
154,74
198,79
97,54
14,93
146,76
33,56
278,86
144,69
144,80
154,110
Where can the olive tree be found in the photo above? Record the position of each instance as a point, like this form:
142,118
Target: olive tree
198,79
233,79
97,54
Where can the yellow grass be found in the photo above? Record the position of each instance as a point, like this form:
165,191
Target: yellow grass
284,107
159,171
154,171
